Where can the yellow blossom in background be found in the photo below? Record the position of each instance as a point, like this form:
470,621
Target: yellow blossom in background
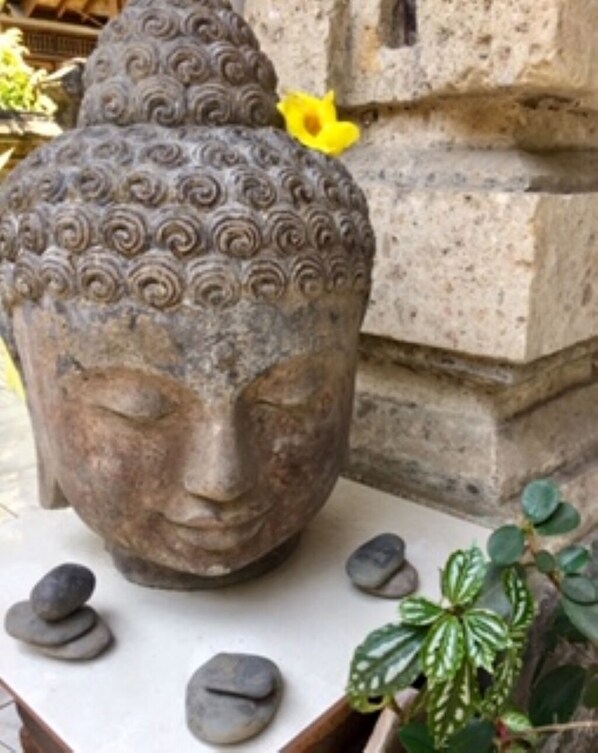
314,123
11,375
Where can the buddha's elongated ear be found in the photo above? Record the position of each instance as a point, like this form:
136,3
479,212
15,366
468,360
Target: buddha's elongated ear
51,496
7,336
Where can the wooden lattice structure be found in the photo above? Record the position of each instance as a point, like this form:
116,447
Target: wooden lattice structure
58,30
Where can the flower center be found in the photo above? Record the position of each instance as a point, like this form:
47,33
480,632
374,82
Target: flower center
312,123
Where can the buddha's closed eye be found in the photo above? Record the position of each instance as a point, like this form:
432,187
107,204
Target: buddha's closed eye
142,403
142,406
290,386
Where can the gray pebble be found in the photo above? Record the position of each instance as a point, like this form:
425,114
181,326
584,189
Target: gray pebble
374,562
22,623
240,674
62,591
224,716
88,646
403,583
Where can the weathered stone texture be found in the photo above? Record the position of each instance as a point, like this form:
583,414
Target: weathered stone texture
481,46
307,39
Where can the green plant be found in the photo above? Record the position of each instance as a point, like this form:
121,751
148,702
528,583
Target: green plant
467,651
19,82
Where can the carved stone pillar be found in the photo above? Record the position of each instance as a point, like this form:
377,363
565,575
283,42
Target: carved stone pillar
479,159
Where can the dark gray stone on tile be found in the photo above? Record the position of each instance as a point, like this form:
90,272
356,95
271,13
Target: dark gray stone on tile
88,646
222,717
403,583
374,562
241,674
22,623
62,591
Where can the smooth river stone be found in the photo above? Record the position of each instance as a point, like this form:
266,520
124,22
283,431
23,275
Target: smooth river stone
403,583
225,717
240,674
88,646
22,623
374,562
62,591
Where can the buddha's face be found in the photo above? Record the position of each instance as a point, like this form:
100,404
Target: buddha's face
199,442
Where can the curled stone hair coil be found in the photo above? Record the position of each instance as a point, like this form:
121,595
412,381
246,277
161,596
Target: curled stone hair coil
214,284
33,227
179,188
125,231
180,232
8,238
100,278
73,228
57,274
27,280
265,280
157,281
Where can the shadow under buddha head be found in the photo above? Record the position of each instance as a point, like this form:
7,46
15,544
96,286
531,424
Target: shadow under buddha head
185,306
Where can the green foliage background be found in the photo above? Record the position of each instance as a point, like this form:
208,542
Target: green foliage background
19,82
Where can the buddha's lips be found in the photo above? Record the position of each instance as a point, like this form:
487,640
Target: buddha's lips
209,516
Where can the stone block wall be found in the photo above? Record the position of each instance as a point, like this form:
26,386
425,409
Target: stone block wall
480,160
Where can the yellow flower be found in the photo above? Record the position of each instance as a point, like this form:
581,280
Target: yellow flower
314,123
13,380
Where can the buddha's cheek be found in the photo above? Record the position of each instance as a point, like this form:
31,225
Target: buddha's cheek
111,473
302,452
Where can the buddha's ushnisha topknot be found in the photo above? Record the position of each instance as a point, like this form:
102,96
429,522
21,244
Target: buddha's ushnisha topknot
179,62
176,190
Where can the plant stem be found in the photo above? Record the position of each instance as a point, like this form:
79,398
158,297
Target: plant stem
548,728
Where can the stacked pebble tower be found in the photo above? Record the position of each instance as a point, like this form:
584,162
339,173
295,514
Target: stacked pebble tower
54,620
379,568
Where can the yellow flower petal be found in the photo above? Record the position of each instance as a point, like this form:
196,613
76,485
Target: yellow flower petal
336,137
314,123
13,379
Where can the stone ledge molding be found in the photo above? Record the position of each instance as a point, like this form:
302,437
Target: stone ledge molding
472,447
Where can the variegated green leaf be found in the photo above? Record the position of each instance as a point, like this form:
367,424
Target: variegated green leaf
485,634
516,721
463,575
488,628
505,677
451,704
387,661
479,654
444,649
522,603
417,610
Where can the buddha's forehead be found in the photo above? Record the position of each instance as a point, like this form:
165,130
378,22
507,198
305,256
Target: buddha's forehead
235,345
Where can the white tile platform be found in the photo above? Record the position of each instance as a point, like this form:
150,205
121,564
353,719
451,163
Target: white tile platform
305,616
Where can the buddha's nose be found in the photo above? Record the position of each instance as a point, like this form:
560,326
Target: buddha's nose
217,464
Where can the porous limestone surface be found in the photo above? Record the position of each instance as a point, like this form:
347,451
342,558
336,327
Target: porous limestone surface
455,48
308,40
498,274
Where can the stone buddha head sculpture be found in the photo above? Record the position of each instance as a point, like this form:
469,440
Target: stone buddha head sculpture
182,286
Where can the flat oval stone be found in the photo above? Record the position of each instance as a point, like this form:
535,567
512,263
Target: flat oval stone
222,717
22,623
374,562
403,583
62,591
88,646
241,674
